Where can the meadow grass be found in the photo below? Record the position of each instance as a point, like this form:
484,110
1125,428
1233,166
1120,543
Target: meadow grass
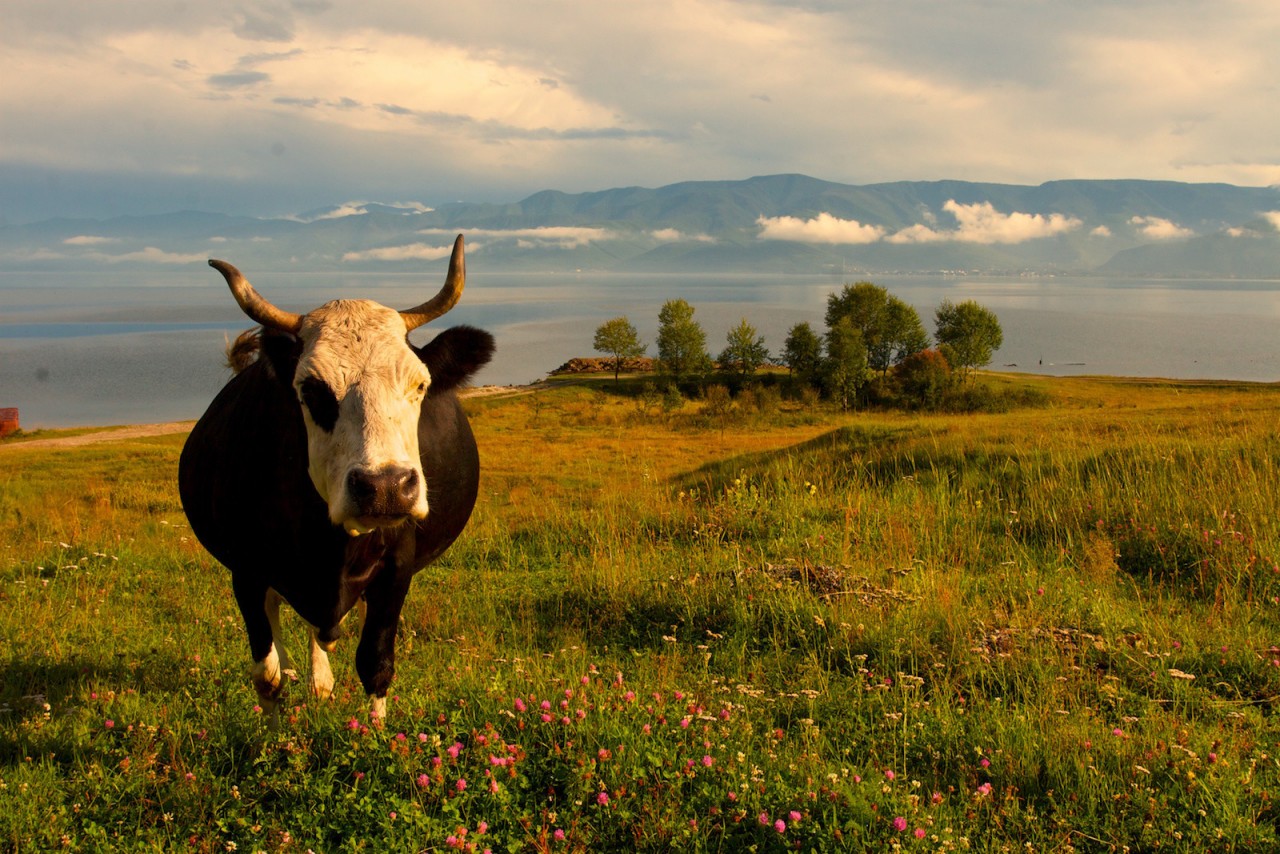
769,629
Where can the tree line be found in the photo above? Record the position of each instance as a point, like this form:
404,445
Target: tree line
874,347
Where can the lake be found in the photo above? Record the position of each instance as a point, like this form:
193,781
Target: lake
99,349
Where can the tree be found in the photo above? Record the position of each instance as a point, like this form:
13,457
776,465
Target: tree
924,377
968,334
802,353
682,345
845,368
891,329
903,334
745,351
619,339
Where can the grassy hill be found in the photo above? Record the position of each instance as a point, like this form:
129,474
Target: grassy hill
782,627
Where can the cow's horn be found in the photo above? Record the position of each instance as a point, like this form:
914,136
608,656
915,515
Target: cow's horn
253,304
448,296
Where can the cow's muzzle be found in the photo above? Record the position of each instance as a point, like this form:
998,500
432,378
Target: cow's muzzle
385,496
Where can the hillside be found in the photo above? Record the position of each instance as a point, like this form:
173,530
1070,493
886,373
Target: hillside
774,223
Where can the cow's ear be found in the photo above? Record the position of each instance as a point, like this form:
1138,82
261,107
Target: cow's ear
454,355
282,350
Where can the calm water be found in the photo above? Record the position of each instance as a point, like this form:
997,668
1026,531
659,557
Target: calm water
114,350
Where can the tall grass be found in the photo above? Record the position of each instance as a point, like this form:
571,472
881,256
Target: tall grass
774,628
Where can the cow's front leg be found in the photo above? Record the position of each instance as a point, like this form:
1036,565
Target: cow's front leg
376,654
321,675
266,671
272,606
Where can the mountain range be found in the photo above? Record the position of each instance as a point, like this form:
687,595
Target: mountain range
772,224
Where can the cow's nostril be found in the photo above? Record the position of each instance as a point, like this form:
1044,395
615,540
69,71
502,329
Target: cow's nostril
361,485
408,487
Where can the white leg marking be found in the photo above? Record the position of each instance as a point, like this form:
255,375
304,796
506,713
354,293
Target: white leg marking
272,607
377,709
321,677
266,680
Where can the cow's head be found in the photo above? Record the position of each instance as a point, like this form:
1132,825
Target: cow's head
360,385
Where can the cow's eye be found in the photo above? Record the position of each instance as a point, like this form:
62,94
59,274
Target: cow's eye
320,401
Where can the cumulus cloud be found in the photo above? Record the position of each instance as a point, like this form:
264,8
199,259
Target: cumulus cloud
1158,228
982,223
565,237
1272,217
823,228
1100,231
976,223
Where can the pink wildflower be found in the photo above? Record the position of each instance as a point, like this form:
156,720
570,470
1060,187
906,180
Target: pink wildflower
984,789
108,723
520,706
707,762
454,749
558,835
603,799
919,833
423,781
764,819
889,775
899,824
794,816
780,826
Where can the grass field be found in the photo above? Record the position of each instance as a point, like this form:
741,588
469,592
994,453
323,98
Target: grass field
1054,629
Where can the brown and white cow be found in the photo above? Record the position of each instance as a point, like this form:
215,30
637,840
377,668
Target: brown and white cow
333,466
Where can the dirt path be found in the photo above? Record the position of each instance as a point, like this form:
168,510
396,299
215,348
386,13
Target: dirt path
141,431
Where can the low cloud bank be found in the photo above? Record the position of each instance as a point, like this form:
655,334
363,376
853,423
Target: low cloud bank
1158,228
976,223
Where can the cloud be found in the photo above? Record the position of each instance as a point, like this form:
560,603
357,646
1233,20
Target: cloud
482,101
564,237
674,235
89,240
1100,231
409,252
238,79
354,208
152,255
976,223
982,223
824,228
1158,228
1272,217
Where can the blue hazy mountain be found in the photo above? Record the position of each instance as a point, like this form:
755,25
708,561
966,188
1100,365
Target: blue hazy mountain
778,223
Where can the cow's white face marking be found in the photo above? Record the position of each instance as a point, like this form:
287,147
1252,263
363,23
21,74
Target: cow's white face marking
361,388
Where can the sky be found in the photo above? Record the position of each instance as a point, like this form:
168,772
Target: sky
275,107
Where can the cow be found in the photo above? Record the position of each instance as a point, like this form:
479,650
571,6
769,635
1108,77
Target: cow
335,464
